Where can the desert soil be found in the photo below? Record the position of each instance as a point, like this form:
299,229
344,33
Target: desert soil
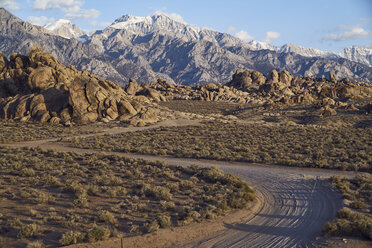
291,208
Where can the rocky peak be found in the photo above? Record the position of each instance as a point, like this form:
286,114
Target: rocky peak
4,13
157,23
260,45
305,51
65,28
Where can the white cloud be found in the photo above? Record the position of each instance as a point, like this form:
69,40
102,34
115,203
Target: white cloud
55,4
270,35
9,4
83,14
173,16
352,32
230,29
40,20
72,8
243,35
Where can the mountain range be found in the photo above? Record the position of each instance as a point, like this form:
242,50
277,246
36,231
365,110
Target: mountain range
147,48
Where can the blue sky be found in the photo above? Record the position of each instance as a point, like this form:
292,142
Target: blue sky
322,24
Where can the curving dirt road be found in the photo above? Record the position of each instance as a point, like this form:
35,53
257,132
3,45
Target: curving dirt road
295,205
296,202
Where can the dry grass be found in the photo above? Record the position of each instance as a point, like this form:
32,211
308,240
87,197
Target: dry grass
65,198
294,145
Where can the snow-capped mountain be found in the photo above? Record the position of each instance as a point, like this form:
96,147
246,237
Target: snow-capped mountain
148,48
292,48
65,28
158,23
260,45
358,54
305,51
164,25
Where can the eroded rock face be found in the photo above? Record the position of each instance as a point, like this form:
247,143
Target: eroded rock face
39,87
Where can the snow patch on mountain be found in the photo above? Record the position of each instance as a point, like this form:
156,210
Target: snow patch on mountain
65,28
161,23
358,54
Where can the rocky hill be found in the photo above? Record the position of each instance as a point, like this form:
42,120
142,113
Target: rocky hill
38,87
158,47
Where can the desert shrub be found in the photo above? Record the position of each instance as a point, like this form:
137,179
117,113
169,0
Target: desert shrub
158,192
152,226
81,202
53,181
71,237
351,224
27,172
35,244
93,190
106,216
72,186
358,204
98,233
133,228
29,231
45,198
167,205
164,221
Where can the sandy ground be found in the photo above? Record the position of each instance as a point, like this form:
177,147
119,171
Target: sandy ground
293,205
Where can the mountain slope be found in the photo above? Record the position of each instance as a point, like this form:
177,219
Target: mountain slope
154,47
18,35
195,55
358,54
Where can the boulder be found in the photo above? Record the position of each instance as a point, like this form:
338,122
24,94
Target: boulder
285,77
132,87
328,111
274,76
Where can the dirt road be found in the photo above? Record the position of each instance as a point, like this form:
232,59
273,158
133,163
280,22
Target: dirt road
296,202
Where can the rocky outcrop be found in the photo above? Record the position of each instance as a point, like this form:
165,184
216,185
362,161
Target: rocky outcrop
278,89
285,88
39,87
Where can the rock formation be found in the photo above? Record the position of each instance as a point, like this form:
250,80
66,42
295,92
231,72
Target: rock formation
278,89
38,87
285,88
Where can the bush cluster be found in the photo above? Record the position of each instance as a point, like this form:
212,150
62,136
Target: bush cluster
341,148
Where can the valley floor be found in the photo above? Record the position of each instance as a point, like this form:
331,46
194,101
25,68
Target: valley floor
294,204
